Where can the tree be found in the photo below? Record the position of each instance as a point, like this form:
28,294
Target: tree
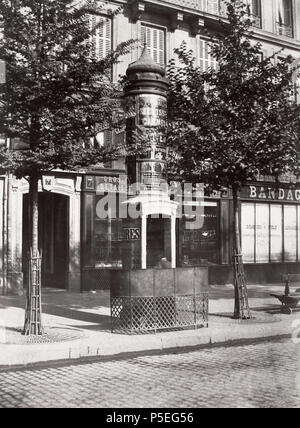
58,94
230,124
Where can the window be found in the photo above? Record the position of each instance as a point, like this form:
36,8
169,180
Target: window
296,81
155,38
284,23
202,244
2,72
206,59
102,39
270,232
254,7
213,7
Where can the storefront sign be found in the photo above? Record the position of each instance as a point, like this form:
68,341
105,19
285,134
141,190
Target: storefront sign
271,193
110,184
132,234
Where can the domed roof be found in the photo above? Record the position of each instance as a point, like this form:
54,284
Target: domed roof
146,64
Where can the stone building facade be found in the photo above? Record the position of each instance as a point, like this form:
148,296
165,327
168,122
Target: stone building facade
80,248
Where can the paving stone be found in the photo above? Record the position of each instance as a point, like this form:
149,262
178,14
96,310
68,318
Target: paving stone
258,375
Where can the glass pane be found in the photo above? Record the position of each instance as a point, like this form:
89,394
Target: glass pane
276,233
262,233
199,245
248,228
298,232
290,235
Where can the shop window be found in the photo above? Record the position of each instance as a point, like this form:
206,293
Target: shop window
108,239
248,227
262,233
276,233
290,233
270,232
201,245
155,38
284,21
108,232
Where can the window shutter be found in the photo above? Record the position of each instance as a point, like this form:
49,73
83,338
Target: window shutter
155,40
161,47
108,138
205,57
108,36
102,39
213,7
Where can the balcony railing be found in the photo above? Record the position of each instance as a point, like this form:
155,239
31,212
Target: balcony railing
214,7
284,30
256,21
209,6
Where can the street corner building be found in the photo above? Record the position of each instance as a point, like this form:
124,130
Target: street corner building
92,230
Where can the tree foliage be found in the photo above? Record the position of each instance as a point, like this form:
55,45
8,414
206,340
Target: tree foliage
240,120
57,96
232,123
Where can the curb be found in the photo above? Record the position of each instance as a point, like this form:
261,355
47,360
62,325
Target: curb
41,355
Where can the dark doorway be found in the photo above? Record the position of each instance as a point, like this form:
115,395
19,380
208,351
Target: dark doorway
158,240
53,238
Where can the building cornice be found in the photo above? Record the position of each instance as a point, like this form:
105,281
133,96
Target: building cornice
197,18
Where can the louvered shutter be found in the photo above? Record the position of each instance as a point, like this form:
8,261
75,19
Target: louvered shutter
102,39
205,57
155,40
213,7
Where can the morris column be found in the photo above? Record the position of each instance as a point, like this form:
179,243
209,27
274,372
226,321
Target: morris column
147,90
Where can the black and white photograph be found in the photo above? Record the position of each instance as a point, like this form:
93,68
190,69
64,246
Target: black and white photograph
149,206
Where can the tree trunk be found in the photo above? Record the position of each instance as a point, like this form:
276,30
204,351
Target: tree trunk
33,313
241,304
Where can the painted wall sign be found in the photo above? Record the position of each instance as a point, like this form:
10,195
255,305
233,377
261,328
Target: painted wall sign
110,184
271,193
132,234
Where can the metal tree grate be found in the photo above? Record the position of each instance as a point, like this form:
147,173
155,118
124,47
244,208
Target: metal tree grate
138,314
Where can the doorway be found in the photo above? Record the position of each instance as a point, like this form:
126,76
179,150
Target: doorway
53,238
158,240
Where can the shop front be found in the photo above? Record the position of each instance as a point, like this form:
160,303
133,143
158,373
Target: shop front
270,230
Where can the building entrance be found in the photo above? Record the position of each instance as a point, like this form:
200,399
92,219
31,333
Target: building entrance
53,238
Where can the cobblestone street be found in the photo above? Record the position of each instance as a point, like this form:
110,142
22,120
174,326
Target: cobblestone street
260,375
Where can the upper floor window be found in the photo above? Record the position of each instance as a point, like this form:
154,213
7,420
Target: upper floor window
254,7
254,10
206,60
213,6
284,20
155,38
102,39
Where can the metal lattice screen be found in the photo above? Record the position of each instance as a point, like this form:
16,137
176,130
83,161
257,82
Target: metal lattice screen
138,314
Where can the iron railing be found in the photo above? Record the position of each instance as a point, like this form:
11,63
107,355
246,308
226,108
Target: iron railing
284,30
132,314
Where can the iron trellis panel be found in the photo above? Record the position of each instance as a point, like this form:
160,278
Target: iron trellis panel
140,314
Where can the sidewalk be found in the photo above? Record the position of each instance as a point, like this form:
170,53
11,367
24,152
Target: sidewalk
78,325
